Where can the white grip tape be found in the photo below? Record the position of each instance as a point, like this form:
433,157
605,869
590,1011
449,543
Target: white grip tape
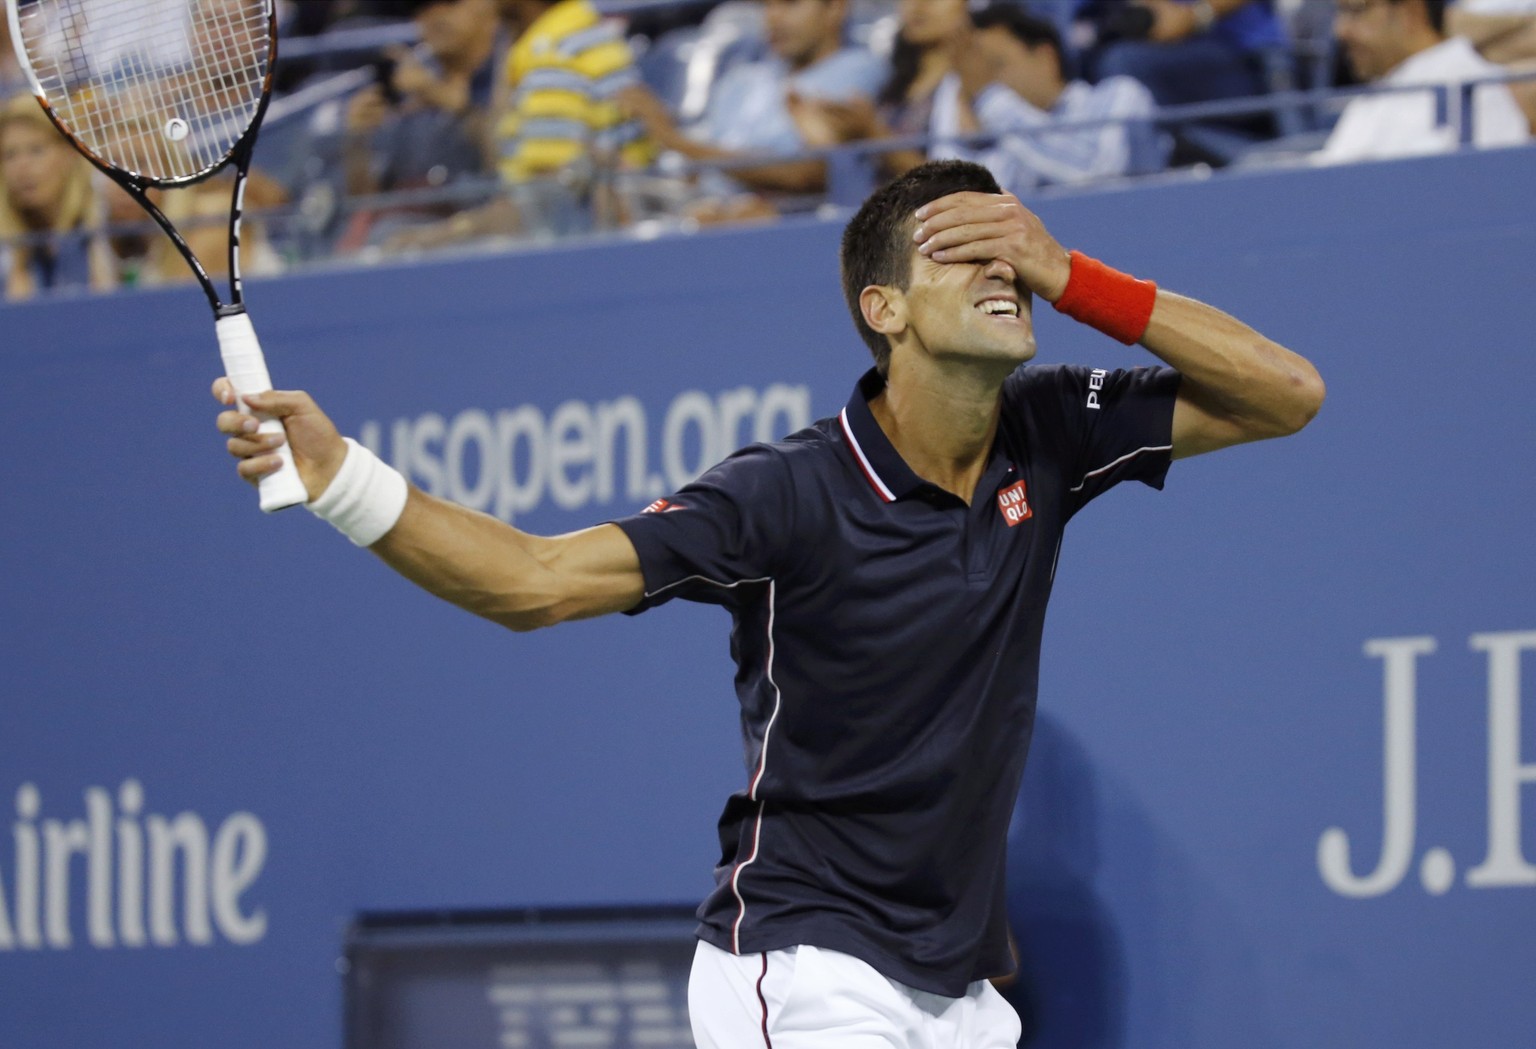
246,368
365,498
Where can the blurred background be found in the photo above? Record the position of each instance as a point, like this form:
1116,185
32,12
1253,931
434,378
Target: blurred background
552,260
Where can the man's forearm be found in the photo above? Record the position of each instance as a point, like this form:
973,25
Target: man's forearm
1231,371
468,559
510,577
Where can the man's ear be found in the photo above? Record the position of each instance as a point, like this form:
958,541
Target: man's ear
884,309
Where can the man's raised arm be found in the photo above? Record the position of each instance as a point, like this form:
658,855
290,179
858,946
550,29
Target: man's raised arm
468,558
1237,384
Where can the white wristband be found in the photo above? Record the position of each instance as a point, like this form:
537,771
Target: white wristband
364,499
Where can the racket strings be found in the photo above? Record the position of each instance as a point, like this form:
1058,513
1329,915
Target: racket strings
163,89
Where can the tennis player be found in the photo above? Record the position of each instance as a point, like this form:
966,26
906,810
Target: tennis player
887,570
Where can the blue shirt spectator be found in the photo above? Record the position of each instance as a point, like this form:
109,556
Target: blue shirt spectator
420,126
750,115
1251,27
1010,83
1027,156
747,110
1184,51
418,144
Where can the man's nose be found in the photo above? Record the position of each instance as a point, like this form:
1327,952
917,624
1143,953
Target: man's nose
998,269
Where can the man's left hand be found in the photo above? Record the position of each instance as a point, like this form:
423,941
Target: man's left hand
980,227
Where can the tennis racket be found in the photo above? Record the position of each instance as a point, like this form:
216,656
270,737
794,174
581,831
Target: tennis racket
163,94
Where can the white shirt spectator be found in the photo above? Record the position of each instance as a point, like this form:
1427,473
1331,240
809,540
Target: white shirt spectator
1403,124
1025,158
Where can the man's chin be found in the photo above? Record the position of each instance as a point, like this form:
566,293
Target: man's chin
1022,350
1004,356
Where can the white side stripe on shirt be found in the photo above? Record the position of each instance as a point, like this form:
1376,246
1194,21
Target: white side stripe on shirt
1110,466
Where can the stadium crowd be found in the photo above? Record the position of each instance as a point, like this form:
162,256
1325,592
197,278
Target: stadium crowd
411,125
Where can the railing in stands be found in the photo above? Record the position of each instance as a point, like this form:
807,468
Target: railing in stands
300,237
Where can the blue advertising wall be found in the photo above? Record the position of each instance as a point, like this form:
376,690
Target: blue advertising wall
1280,795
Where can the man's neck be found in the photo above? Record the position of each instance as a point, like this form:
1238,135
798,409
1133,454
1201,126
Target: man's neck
942,420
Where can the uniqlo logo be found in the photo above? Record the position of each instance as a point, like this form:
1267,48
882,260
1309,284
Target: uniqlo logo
1014,504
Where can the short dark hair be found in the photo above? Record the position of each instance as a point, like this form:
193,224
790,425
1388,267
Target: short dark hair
877,243
1027,29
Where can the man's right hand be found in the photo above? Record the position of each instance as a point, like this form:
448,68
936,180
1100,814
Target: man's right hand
318,450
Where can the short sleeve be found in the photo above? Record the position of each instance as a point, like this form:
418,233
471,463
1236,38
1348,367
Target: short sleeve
1103,426
717,536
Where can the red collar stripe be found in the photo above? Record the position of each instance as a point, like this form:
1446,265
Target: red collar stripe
858,453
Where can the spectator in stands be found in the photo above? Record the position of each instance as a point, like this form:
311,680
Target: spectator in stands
1184,51
749,110
423,124
1010,82
922,57
1503,31
312,17
564,75
557,124
143,257
1399,42
302,18
50,218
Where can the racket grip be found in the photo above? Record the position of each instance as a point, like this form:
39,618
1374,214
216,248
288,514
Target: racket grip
246,369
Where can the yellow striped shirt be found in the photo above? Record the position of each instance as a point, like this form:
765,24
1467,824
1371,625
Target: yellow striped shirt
561,79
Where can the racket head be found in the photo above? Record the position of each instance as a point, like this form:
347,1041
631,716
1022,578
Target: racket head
161,91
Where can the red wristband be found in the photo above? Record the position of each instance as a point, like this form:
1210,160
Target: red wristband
1115,303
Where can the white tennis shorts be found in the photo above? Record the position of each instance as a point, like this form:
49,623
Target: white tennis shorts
812,998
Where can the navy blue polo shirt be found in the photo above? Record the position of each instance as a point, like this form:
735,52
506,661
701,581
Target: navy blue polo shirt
887,644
